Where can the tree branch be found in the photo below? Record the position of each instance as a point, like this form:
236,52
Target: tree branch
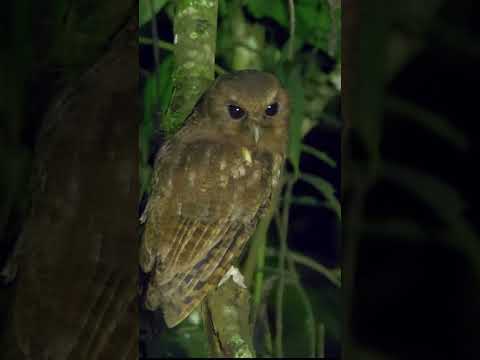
226,318
195,29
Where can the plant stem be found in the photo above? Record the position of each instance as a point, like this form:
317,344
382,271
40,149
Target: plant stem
281,266
291,12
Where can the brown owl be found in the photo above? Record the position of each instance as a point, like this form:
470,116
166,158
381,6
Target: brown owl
212,182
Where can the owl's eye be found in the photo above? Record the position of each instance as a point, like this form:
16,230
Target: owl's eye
236,112
272,109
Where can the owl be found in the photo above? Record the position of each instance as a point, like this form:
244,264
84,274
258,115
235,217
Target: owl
212,182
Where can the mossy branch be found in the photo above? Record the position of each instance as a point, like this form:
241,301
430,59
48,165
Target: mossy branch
195,29
226,318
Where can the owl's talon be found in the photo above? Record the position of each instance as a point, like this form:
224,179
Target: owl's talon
236,276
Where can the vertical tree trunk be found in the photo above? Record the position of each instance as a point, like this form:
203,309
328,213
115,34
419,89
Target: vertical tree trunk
195,29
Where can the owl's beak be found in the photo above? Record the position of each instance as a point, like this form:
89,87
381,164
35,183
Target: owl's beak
256,131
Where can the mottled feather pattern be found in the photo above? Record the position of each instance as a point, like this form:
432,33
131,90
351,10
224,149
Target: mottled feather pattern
211,184
191,289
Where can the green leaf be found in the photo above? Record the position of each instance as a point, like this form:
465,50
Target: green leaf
165,79
319,155
326,189
314,20
313,23
295,318
306,201
145,13
327,306
276,10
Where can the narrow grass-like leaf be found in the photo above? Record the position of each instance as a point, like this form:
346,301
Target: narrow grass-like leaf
297,341
333,275
306,201
165,81
319,155
326,189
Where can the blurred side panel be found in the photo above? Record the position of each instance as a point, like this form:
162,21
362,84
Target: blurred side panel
75,288
409,185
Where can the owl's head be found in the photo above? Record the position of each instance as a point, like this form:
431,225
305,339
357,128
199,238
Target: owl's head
250,105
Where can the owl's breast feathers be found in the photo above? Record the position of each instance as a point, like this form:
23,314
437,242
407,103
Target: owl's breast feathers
206,200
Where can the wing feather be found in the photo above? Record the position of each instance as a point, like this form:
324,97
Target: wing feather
187,290
202,227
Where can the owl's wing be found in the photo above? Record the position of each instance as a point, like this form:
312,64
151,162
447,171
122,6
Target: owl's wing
203,209
181,291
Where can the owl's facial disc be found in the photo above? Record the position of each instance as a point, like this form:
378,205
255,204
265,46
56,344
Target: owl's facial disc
249,105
